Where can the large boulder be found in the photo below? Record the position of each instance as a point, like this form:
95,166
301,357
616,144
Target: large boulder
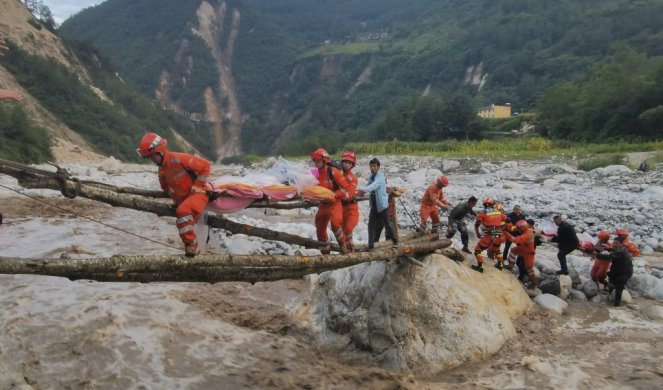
610,170
552,303
427,319
649,286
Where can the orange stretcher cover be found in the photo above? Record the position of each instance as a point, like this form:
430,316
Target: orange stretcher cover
318,194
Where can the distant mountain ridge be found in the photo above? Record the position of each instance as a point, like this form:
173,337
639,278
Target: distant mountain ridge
272,73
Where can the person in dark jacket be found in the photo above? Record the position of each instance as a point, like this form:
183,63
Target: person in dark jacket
567,241
511,219
621,269
456,216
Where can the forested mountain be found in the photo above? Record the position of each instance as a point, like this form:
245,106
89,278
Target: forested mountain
71,95
290,74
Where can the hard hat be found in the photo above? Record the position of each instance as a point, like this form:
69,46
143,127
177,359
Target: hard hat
320,154
443,181
522,225
488,202
603,235
623,232
349,156
151,143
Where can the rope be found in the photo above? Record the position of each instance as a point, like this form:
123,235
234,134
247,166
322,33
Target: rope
416,226
90,219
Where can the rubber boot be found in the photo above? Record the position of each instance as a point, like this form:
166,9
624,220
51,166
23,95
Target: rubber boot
478,268
499,265
343,248
191,249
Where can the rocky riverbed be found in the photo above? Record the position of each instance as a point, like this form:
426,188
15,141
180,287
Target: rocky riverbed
375,325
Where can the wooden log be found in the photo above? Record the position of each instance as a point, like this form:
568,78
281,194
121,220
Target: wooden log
206,268
29,177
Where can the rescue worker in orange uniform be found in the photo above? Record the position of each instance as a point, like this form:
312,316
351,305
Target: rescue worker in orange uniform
492,224
525,248
332,179
350,206
632,248
601,265
432,200
183,177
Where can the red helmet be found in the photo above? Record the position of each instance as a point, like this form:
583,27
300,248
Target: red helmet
151,143
320,154
489,202
603,235
623,232
442,181
350,156
522,225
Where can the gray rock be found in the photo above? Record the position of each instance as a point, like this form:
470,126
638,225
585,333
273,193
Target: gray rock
654,313
551,184
550,286
450,165
575,277
480,182
590,289
564,286
511,185
626,297
552,303
577,295
405,318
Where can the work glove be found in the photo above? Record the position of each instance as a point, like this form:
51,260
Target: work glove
361,192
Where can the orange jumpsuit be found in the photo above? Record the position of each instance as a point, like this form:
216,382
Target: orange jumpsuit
493,223
525,248
331,211
178,174
601,266
350,208
428,208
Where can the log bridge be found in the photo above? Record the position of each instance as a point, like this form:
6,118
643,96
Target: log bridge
206,268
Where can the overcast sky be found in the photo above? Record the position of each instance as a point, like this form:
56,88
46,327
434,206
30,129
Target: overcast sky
62,9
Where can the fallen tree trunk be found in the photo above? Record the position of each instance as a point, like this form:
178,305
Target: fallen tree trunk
29,177
206,268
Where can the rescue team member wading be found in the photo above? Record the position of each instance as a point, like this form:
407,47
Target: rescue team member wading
492,223
350,206
525,248
183,177
432,199
332,179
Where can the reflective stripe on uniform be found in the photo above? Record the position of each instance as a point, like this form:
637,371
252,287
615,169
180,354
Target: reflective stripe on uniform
201,178
186,229
174,160
178,175
183,219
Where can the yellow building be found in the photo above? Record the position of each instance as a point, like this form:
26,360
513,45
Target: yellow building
495,111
